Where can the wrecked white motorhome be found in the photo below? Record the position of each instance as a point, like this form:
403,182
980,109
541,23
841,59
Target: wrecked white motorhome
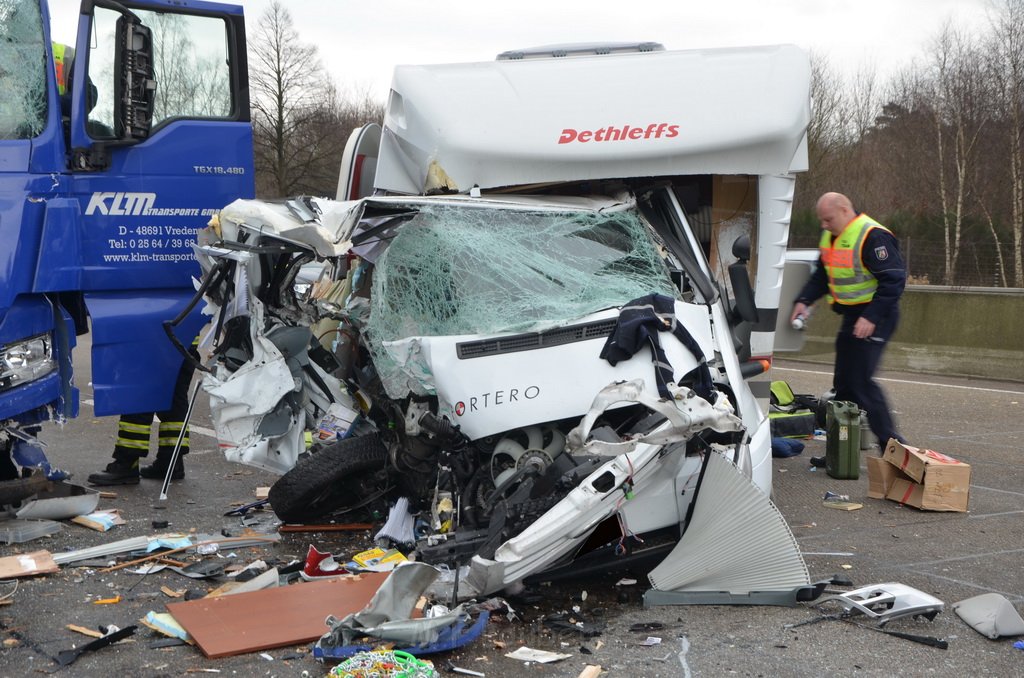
521,330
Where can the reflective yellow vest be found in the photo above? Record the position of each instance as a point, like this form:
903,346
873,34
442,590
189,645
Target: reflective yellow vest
848,280
62,56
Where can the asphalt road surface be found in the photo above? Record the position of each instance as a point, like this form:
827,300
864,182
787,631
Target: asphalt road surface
950,555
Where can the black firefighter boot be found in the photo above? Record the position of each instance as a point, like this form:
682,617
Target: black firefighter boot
158,469
118,472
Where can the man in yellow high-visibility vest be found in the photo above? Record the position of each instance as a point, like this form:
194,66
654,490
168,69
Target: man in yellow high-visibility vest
862,270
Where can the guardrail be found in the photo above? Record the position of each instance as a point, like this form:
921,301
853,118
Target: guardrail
962,331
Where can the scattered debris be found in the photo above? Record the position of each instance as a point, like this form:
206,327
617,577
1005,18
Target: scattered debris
561,621
885,602
92,633
528,654
63,501
643,627
651,640
465,672
840,501
376,560
171,593
164,623
991,615
27,564
114,634
101,521
331,527
269,618
388,617
386,664
161,643
21,530
320,564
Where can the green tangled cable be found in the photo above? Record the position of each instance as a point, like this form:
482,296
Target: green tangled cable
383,664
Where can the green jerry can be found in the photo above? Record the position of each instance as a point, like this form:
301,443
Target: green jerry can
842,440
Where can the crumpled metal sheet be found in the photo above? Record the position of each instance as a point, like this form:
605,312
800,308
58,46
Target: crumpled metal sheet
240,400
388,616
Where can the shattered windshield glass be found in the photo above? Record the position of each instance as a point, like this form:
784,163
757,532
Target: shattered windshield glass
454,271
22,70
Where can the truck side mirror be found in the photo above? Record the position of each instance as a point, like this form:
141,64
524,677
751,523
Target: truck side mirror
134,85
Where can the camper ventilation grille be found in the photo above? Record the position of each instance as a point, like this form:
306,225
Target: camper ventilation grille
737,542
535,340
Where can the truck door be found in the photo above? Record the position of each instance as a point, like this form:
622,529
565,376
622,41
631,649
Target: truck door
800,263
157,148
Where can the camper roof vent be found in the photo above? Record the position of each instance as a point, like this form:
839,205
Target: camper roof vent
580,49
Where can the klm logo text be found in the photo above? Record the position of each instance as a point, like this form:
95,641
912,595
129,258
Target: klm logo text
132,204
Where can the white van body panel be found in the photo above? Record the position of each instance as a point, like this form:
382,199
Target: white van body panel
512,123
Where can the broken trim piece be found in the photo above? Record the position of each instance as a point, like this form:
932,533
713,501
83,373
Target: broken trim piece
885,602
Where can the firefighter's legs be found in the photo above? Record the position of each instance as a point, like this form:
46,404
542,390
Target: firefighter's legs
172,425
132,444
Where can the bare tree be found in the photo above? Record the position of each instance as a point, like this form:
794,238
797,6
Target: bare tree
287,83
959,114
1006,48
300,121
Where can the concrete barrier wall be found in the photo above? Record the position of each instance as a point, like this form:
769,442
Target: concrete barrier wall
972,332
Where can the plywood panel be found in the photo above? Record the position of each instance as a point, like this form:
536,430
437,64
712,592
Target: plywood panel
277,617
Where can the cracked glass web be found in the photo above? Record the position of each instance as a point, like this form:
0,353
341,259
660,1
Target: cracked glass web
22,70
451,271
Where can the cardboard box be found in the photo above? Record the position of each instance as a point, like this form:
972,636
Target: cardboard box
926,479
915,462
880,477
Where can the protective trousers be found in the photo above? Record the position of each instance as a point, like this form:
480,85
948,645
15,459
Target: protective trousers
133,430
856,363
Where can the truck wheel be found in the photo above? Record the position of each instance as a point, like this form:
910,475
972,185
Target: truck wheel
339,476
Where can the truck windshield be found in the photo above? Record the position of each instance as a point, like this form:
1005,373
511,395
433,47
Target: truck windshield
22,70
452,271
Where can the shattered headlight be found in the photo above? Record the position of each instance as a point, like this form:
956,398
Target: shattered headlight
26,361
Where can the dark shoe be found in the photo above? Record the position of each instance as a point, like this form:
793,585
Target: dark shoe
117,473
818,462
158,470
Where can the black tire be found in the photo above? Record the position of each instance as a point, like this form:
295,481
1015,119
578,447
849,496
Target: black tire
341,475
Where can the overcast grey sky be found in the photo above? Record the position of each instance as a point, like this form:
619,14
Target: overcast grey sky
361,42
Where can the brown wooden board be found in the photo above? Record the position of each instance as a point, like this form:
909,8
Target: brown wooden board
277,617
26,564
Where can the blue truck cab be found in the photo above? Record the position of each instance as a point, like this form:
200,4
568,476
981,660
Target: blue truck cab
112,156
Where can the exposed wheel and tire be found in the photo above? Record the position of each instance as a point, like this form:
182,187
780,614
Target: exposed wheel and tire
340,476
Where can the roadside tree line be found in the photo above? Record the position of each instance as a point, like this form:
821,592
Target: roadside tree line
936,152
300,120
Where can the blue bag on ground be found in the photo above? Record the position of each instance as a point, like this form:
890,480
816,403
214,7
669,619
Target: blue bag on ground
786,447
